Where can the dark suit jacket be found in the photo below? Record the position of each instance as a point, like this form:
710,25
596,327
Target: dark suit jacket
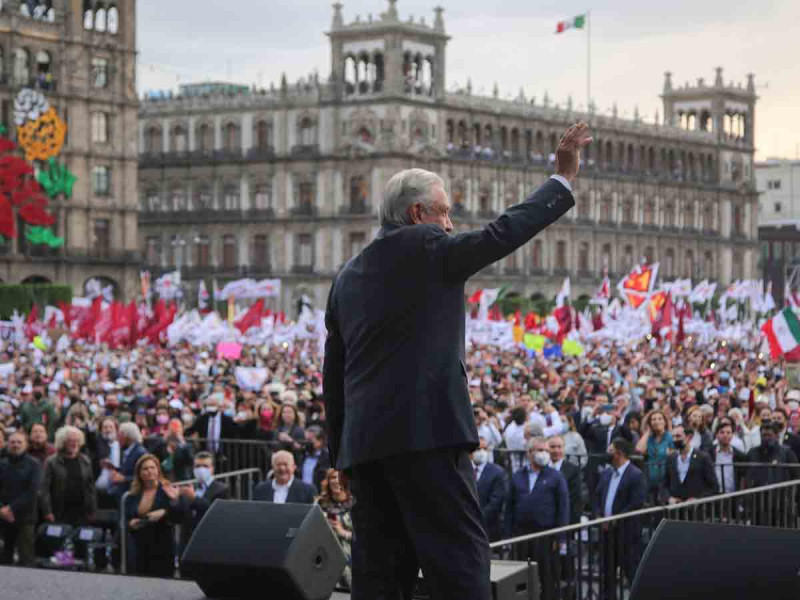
631,492
394,375
127,468
228,429
320,470
194,510
492,493
299,492
738,472
572,474
544,507
701,481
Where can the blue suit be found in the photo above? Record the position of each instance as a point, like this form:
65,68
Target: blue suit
492,493
127,468
631,492
544,507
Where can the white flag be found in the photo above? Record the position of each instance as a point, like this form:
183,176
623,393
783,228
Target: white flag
168,286
563,294
488,297
202,295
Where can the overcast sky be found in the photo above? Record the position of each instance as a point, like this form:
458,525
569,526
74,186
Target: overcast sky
510,42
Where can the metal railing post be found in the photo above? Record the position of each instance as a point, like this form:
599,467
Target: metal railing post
123,535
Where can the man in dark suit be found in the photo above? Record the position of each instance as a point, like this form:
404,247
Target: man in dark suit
492,490
316,458
20,483
213,426
725,458
395,383
621,489
571,472
690,472
196,499
130,439
538,501
284,486
785,437
598,432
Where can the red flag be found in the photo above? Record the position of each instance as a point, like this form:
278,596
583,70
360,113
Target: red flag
32,328
662,327
531,321
102,329
165,320
282,317
252,317
87,323
563,315
67,310
597,321
680,336
133,319
518,318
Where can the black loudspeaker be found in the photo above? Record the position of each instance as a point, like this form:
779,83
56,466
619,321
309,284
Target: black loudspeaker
511,580
697,561
286,551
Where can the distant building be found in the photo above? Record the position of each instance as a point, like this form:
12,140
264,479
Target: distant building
286,182
81,54
778,182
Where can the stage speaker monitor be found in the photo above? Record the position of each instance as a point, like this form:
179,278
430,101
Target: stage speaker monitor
285,551
511,580
697,561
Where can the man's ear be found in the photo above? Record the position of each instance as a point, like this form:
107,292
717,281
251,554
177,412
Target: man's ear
415,213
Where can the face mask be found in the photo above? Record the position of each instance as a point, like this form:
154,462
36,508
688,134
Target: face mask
187,418
605,420
586,412
241,415
541,458
679,444
771,444
793,405
162,419
479,457
266,415
110,437
212,410
228,412
203,474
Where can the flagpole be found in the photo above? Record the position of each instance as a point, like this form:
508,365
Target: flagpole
588,60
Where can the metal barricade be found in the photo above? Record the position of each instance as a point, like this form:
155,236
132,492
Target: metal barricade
235,454
599,558
240,482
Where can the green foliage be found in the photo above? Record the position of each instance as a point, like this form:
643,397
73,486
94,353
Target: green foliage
21,297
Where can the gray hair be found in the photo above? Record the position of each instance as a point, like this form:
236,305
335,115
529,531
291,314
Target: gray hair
405,189
64,432
540,439
131,431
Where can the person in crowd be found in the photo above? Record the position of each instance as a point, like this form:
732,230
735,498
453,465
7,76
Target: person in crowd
725,457
316,458
36,408
780,416
762,415
598,432
132,451
267,416
571,473
336,502
284,486
178,456
656,444
492,484
487,430
574,446
151,508
740,429
690,472
196,498
107,459
38,446
214,426
3,451
538,501
621,489
776,460
20,480
289,433
632,427
68,494
514,436
701,438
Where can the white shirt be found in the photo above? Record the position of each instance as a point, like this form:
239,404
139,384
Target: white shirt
557,465
478,470
562,180
724,471
616,477
683,465
556,426
214,425
532,477
281,491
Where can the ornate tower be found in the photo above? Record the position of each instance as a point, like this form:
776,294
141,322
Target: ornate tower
388,57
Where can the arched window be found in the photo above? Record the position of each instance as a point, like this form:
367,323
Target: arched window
627,211
99,127
688,216
688,264
606,210
605,256
627,259
709,270
180,139
152,140
88,16
230,137
669,263
585,209
358,193
561,255
669,215
708,217
536,255
113,20
100,19
307,132
649,255
649,213
583,258
204,138
22,66
229,251
263,135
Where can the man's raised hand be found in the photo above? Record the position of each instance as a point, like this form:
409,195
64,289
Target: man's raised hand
568,153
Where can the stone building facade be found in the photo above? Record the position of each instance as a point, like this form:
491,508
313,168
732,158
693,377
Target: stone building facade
286,182
81,55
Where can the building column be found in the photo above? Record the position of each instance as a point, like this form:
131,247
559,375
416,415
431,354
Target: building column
244,194
165,135
191,143
725,265
726,212
247,133
217,132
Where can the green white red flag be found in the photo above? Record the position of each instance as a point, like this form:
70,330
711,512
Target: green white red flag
783,335
577,22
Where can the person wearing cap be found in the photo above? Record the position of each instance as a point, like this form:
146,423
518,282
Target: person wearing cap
35,408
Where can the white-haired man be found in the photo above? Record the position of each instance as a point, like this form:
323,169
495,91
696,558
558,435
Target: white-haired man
394,357
130,439
213,425
284,486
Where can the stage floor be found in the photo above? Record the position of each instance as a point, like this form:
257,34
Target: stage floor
47,584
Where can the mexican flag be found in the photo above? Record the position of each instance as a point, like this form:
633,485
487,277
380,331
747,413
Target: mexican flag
574,23
783,335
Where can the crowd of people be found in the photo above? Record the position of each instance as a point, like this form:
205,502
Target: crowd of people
616,429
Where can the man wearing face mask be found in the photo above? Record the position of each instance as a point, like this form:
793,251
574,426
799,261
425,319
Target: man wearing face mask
538,501
690,473
770,452
598,432
492,490
197,498
106,458
785,437
213,425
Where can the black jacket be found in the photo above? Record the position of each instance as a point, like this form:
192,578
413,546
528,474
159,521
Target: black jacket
738,472
54,485
394,375
228,429
492,495
701,481
194,510
572,474
299,492
768,474
20,480
321,468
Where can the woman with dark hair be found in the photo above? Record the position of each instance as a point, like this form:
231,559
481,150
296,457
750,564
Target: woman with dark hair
290,435
151,509
336,502
632,425
656,445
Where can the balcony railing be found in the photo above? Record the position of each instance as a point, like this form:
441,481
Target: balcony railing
260,214
356,207
260,153
303,210
305,150
303,269
102,256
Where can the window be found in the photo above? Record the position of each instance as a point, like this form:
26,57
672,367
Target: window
229,252
177,250
260,252
88,18
649,255
357,243
230,137
113,20
669,215
688,216
738,220
536,255
100,20
688,264
358,192
585,209
202,249
305,196
22,66
101,180
627,259
263,135
262,196
99,127
307,133
605,257
153,252
627,211
178,198
583,258
180,140
708,266
99,73
205,138
606,215
102,239
774,184
203,199
153,140
153,200
708,218
778,207
561,255
230,197
305,255
669,263
44,75
649,213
